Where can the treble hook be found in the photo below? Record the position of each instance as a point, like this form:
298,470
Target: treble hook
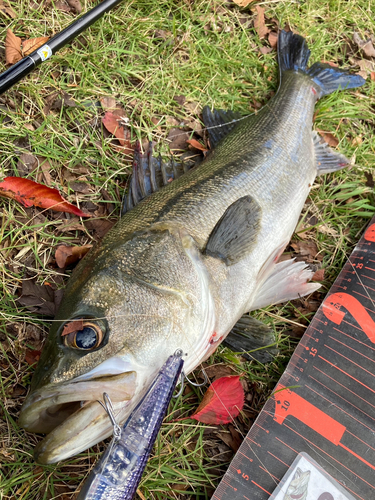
185,377
108,408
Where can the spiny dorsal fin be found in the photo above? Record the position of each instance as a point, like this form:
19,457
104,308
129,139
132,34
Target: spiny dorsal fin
219,123
327,160
250,334
235,235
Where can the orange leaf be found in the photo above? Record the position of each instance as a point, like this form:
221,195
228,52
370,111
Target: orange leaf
29,46
222,402
66,255
30,193
197,145
113,124
13,52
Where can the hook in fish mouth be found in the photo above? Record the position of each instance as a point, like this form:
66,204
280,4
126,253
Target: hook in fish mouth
70,416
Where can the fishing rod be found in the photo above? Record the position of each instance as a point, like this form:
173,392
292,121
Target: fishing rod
28,63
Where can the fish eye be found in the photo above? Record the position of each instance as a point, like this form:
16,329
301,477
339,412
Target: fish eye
82,334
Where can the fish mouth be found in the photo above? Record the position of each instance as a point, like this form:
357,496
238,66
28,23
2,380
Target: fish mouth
70,415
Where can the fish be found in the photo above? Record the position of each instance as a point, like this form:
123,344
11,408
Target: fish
186,263
298,486
119,470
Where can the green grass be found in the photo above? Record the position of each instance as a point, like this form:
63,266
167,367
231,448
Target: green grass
144,54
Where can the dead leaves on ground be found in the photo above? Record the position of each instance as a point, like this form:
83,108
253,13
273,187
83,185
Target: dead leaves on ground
66,255
7,10
16,49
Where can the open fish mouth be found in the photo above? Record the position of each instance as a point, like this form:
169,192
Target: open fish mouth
71,416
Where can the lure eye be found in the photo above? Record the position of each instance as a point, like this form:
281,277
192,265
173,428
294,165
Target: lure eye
82,334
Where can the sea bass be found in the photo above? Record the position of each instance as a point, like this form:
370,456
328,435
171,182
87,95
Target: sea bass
184,265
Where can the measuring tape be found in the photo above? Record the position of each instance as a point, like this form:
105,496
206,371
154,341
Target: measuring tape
324,404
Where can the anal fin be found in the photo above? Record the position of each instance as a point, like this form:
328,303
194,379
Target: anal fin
327,160
253,339
287,281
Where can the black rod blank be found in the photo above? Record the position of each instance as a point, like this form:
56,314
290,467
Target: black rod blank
23,67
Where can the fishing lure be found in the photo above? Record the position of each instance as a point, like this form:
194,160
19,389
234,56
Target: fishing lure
118,473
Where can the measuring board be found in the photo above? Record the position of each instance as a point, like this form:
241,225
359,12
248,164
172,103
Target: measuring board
324,404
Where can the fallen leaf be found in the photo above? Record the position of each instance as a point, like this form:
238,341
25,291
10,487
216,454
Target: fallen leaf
177,139
115,125
243,3
32,44
99,226
32,357
329,138
373,76
65,255
41,299
72,326
217,371
30,193
365,45
108,103
63,6
272,38
75,5
13,52
318,275
259,22
5,9
307,249
197,145
222,402
232,438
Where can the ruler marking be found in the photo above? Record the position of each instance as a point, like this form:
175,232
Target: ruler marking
368,277
366,297
370,269
279,459
353,326
347,449
245,455
347,401
351,361
359,439
228,484
259,486
353,338
350,376
296,452
351,348
265,430
349,390
257,444
357,456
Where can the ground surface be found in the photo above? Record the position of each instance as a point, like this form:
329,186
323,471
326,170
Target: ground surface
160,62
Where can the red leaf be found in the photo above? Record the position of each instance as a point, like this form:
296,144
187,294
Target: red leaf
32,357
222,402
30,193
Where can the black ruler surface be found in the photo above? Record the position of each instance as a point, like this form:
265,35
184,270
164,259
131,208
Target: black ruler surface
324,403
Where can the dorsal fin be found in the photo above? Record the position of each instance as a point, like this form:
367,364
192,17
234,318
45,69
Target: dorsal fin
219,123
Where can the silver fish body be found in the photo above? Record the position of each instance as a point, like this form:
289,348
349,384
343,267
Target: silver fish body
181,268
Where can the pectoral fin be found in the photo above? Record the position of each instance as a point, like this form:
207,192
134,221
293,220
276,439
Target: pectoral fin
253,339
235,235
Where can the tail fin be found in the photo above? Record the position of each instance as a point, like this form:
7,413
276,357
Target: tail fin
330,79
294,54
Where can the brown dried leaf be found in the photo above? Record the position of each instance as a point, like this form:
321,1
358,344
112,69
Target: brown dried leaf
75,5
5,9
72,326
243,3
63,6
272,38
365,45
259,22
32,44
13,52
318,275
329,138
307,249
108,103
65,255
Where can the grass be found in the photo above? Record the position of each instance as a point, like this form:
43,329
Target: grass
144,54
